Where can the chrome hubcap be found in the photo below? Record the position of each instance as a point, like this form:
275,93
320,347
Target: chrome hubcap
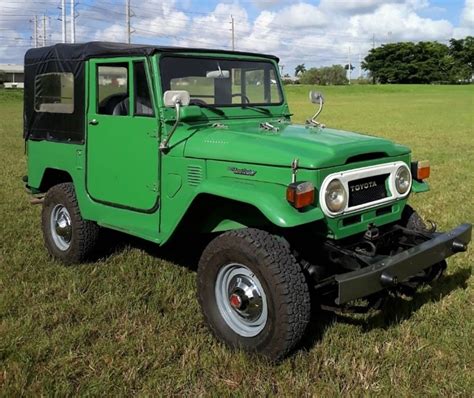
241,300
61,227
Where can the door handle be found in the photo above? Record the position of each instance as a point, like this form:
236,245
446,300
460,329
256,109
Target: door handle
93,122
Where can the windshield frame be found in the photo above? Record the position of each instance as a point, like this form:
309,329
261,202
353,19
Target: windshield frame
231,57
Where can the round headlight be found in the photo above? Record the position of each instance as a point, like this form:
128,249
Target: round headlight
402,180
336,196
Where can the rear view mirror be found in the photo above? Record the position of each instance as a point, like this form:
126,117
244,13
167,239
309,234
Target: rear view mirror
218,74
316,97
173,97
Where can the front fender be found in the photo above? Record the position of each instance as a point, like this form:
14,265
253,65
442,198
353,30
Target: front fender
269,198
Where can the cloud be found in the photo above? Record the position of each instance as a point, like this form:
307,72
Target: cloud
366,6
467,15
163,19
400,23
296,31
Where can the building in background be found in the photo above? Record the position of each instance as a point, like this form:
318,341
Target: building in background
14,75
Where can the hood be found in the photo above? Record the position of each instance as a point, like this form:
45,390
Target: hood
314,147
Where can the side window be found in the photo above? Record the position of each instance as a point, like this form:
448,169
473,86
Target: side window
54,93
143,103
112,90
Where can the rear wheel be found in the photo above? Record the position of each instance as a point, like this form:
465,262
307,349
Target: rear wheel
253,293
67,236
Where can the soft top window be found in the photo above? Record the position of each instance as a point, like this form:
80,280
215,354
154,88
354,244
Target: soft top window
222,82
54,93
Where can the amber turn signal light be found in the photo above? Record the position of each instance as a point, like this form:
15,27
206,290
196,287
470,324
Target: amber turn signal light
420,170
300,194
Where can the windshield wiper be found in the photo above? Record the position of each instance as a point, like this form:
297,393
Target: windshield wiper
211,107
257,108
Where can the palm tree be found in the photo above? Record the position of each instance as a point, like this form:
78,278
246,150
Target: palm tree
300,69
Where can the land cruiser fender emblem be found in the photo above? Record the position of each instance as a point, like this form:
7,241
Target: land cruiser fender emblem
363,186
244,172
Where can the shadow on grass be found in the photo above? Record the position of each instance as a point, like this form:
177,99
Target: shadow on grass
186,253
396,309
182,252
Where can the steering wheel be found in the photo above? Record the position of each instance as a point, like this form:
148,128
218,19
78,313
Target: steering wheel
197,101
243,96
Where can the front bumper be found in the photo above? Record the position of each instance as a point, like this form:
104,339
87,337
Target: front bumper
398,268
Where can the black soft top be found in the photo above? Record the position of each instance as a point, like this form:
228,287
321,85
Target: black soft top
69,58
100,49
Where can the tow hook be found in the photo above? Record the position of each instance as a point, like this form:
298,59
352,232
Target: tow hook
372,232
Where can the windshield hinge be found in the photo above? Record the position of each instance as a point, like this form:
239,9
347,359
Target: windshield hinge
268,126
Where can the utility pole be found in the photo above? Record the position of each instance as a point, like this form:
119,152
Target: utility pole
63,19
44,30
73,21
373,41
233,32
35,30
127,14
349,66
360,65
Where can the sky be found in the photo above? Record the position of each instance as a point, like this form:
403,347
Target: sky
316,33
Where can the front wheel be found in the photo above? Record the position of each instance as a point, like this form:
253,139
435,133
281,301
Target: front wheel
253,293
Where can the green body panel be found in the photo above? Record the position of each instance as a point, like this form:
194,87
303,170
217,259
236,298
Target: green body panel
314,147
122,152
123,181
43,155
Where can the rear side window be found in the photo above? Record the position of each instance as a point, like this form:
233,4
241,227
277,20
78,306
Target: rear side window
54,93
112,89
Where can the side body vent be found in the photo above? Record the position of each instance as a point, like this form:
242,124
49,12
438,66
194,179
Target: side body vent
194,175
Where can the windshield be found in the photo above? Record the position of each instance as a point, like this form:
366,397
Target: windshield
222,82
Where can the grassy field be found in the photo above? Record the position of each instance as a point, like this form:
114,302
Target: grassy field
130,324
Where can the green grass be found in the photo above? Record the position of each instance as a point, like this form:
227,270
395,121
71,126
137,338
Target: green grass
130,323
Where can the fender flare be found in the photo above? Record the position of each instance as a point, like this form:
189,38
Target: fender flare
269,198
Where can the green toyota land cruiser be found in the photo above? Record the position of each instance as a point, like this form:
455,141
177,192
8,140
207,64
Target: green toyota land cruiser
160,141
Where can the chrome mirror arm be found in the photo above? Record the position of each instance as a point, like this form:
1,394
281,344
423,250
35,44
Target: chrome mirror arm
164,144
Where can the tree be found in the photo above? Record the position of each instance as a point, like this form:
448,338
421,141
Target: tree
462,53
300,69
423,62
334,74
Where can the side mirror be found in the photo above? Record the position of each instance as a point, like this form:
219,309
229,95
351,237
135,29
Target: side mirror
316,97
173,97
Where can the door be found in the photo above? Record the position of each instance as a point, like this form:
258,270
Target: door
122,135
